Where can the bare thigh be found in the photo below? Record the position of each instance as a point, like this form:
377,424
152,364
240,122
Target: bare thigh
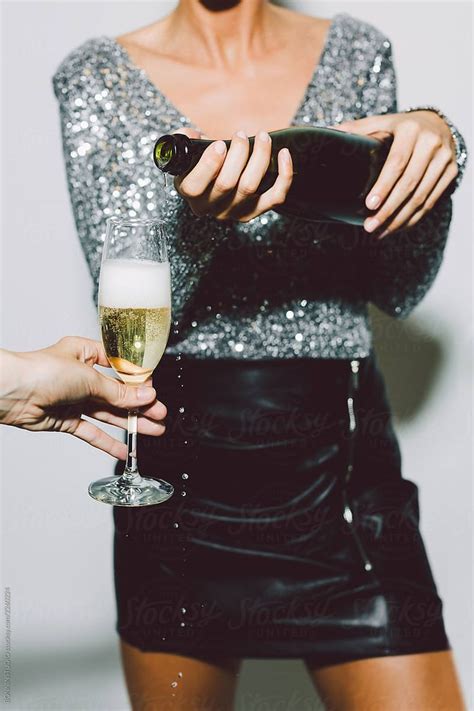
160,682
412,682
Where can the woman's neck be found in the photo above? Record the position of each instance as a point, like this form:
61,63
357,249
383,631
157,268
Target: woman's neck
223,38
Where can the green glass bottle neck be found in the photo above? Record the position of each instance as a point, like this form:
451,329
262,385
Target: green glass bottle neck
173,153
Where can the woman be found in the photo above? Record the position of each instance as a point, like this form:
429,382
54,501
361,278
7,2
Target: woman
292,532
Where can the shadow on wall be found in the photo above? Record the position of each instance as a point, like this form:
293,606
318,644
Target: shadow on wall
411,358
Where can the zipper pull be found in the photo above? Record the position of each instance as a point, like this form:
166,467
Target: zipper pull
350,410
347,515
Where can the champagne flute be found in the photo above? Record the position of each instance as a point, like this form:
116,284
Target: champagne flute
135,317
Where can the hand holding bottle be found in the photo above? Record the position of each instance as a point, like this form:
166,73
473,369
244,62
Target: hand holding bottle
224,181
420,166
326,178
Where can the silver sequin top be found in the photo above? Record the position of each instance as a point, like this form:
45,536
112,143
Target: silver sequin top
271,287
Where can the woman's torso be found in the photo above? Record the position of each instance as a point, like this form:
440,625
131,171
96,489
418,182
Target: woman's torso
273,287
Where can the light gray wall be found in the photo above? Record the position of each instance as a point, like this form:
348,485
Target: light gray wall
57,553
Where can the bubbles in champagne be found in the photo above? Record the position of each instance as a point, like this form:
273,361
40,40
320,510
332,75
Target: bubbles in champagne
134,312
134,283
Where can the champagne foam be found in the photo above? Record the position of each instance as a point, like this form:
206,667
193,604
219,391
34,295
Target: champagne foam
134,283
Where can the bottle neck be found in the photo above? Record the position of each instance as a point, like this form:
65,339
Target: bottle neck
173,153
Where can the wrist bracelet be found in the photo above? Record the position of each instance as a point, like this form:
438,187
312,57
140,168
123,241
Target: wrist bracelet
459,143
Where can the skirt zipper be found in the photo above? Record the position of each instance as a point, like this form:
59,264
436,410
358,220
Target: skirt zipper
348,515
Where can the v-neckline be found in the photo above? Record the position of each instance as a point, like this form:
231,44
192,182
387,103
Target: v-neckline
156,92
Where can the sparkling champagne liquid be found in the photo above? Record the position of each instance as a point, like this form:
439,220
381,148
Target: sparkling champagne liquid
134,340
134,315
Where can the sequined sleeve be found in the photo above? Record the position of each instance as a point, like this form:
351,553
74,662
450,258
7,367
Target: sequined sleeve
401,267
84,102
109,169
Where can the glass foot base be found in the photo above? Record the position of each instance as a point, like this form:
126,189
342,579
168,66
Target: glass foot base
146,492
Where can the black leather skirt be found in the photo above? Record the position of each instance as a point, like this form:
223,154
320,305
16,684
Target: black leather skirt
291,532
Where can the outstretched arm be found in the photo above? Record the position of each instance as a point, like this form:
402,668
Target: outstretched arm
53,388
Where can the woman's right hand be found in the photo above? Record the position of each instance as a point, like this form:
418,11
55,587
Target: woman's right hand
223,182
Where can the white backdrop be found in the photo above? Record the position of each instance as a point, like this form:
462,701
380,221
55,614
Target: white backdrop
57,552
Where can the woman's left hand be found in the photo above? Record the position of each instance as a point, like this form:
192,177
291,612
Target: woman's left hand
420,165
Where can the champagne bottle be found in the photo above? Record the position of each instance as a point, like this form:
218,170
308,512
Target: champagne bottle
333,170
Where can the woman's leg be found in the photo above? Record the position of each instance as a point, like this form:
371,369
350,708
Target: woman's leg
411,682
158,681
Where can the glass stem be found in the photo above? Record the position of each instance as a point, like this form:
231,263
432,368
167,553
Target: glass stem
130,474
